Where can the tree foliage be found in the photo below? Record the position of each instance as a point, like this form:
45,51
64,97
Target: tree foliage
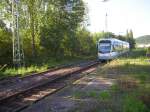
128,37
47,29
5,44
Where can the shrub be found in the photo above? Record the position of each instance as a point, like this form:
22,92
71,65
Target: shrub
92,94
132,104
105,95
148,52
145,96
114,88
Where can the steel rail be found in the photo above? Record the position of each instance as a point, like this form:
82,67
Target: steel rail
24,98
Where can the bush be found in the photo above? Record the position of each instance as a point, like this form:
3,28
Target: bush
132,104
145,96
5,46
105,95
148,52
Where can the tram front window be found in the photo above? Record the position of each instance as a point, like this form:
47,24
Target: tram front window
104,48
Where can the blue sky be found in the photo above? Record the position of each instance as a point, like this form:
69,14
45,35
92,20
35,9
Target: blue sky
122,15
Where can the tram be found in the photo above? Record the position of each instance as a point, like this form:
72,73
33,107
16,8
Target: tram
111,48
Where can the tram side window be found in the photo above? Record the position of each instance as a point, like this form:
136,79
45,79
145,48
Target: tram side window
119,47
114,47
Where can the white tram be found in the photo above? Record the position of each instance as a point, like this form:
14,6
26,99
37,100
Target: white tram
111,48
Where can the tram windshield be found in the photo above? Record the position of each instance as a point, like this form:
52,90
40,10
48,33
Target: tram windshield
104,47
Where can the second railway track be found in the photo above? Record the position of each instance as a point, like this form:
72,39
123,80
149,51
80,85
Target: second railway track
22,99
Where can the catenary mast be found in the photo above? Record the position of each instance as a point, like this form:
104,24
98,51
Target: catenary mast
18,54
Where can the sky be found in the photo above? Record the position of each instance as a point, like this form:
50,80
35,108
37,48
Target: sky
121,15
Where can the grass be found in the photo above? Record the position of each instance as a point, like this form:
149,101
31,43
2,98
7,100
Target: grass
23,71
102,100
132,104
95,94
131,92
40,67
105,95
134,66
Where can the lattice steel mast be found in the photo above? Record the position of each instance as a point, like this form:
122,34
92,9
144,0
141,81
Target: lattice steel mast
18,54
106,23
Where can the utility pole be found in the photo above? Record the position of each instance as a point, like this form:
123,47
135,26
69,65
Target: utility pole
18,54
106,23
106,26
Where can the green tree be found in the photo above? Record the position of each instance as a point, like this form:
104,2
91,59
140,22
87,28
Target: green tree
121,37
33,12
131,40
5,44
127,35
97,36
109,35
47,28
60,25
86,43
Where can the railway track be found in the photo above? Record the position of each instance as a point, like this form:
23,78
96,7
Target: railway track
22,99
10,78
18,84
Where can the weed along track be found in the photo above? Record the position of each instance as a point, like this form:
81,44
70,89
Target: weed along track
42,86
